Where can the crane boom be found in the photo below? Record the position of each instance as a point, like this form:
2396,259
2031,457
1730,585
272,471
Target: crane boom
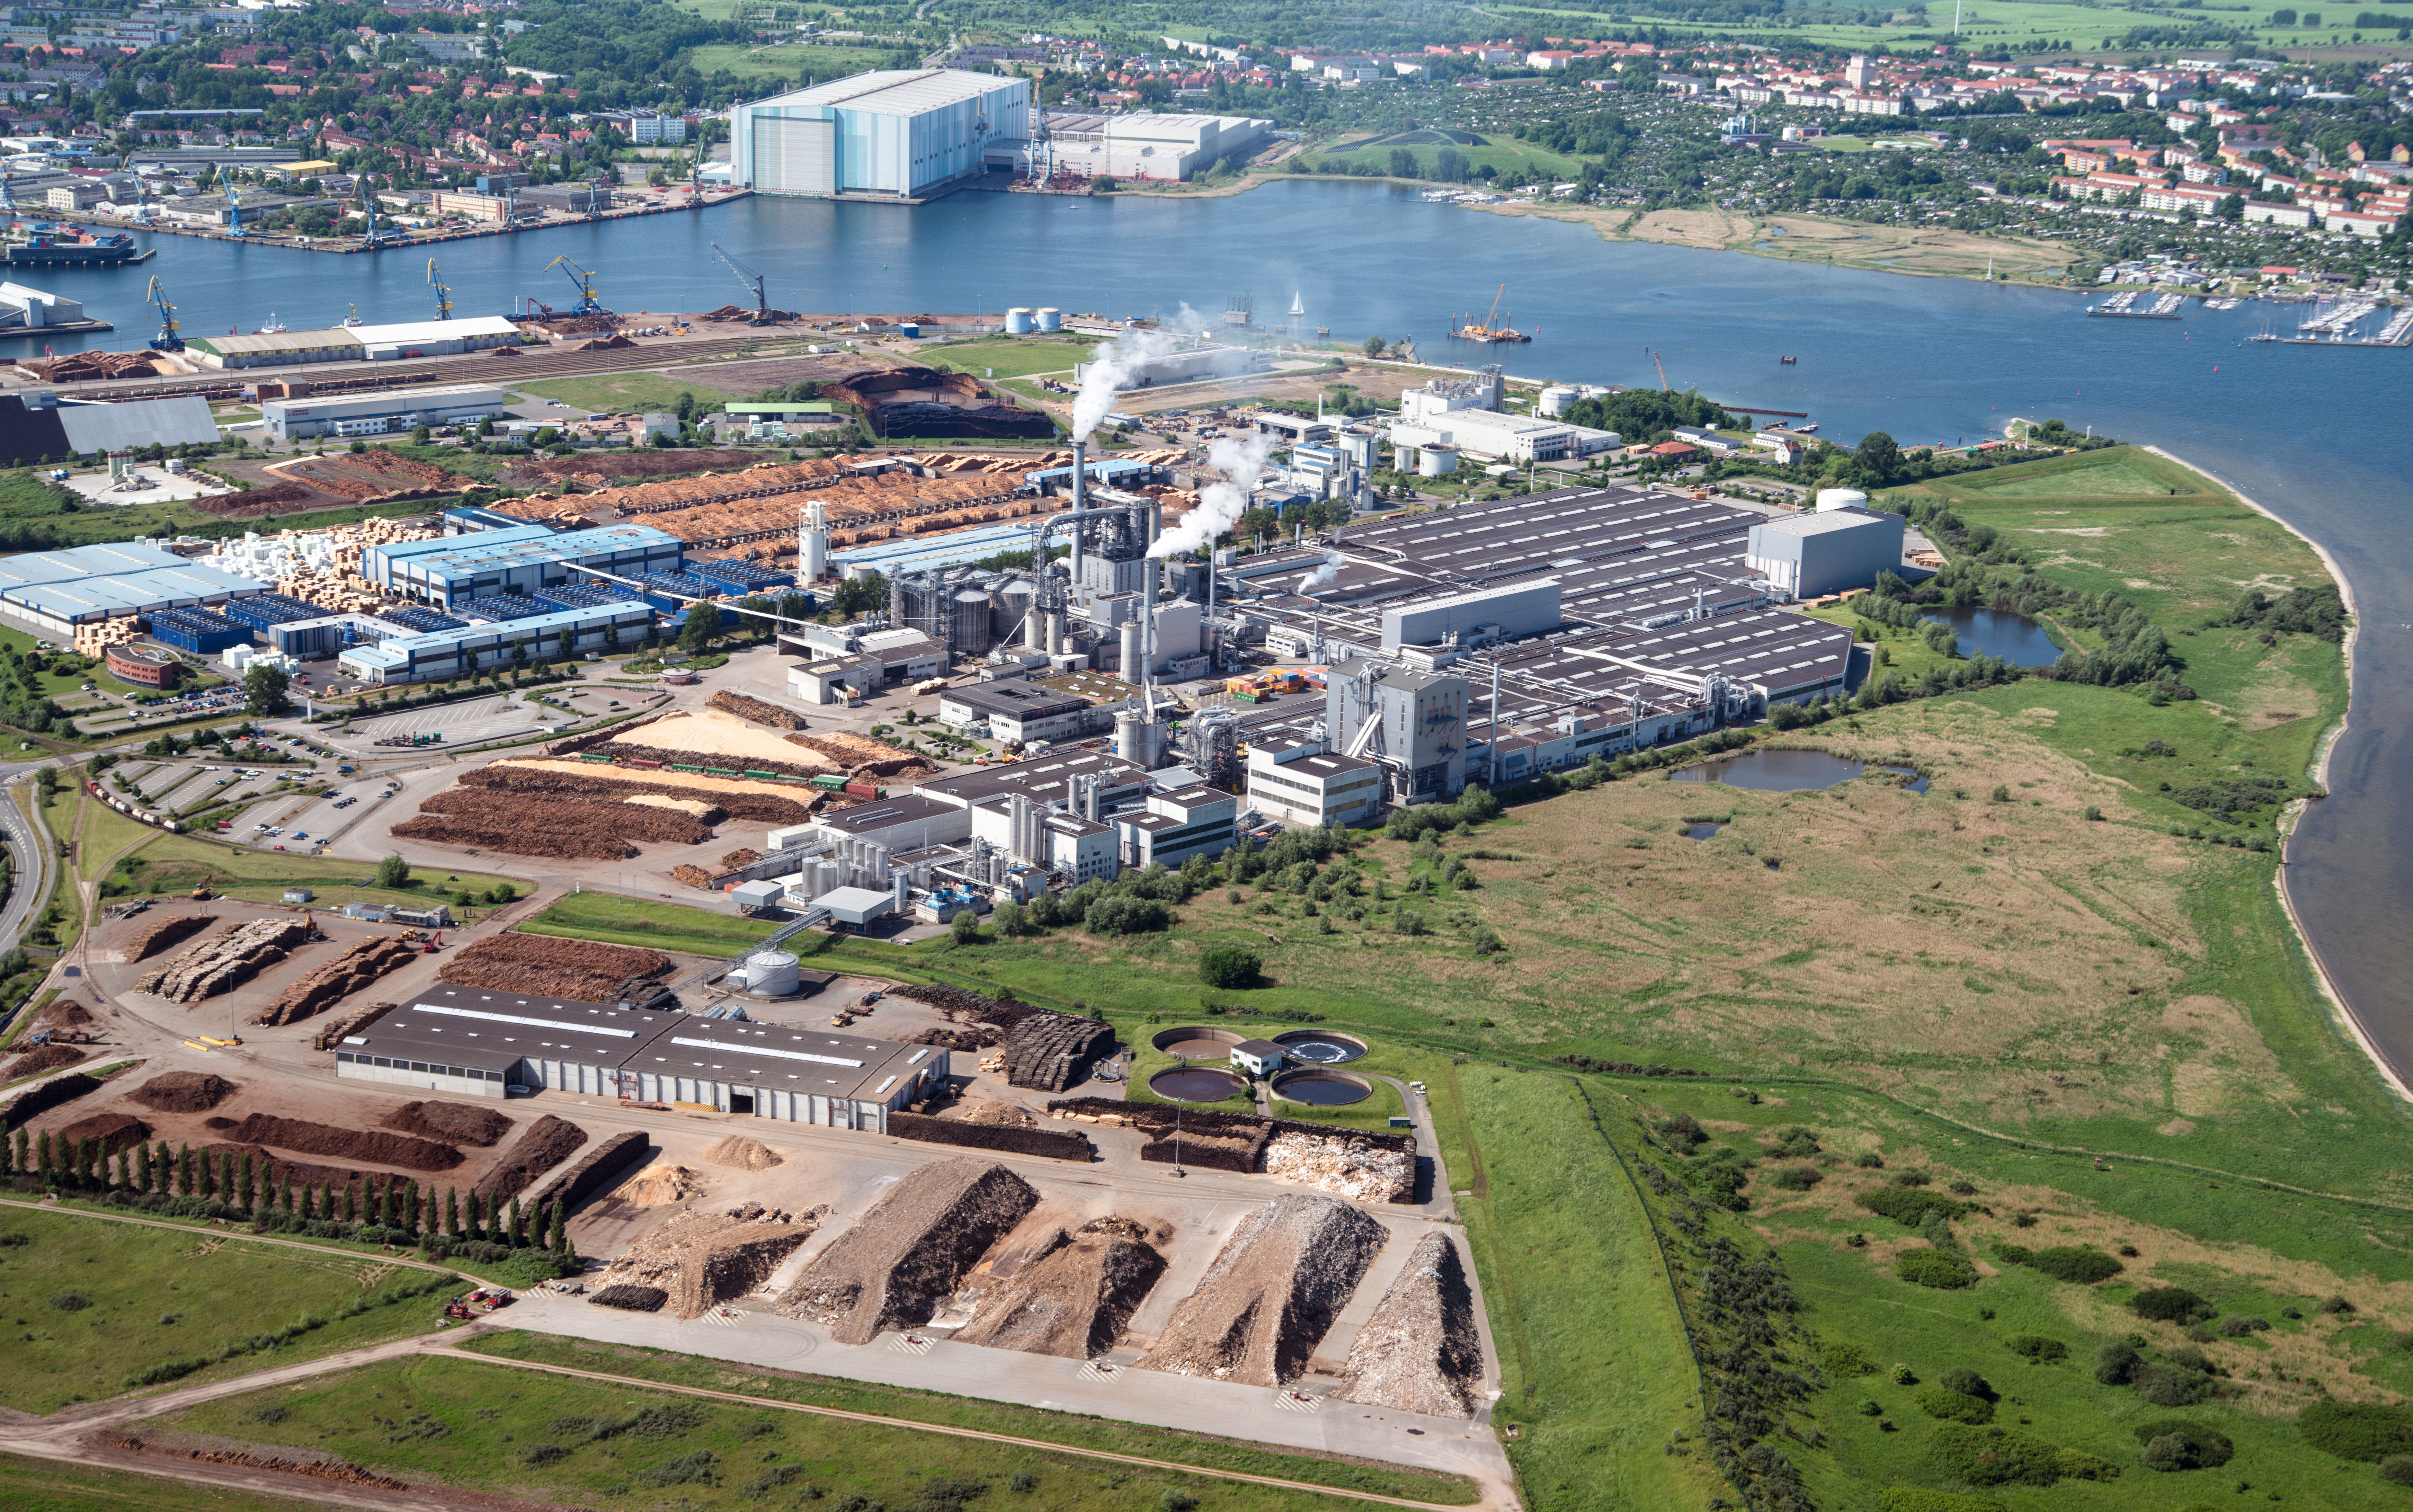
753,282
1487,321
443,295
1662,366
584,280
166,340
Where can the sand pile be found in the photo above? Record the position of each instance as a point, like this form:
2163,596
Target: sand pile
184,1092
739,1153
338,979
1344,1167
581,970
1271,1294
548,1141
911,1250
658,1185
346,1144
225,961
164,931
701,1259
1420,1352
1075,1299
113,1131
460,1123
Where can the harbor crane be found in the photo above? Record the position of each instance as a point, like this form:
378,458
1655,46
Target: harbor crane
753,282
234,209
166,340
1663,384
443,295
584,281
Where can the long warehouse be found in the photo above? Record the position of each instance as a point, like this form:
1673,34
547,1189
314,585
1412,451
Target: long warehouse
481,1043
455,568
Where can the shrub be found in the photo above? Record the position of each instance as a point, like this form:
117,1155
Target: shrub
1967,1382
684,1470
2397,1470
1909,1206
1844,1358
2175,1444
1023,1481
2337,1304
1918,1499
1796,1143
1229,966
1912,1179
1175,1501
70,1302
541,1454
1953,1406
2077,1264
2171,1386
2356,1430
2171,1304
2037,1348
1683,1131
1935,1268
1868,1159
2116,1362
1799,1177
1997,1457
2011,1254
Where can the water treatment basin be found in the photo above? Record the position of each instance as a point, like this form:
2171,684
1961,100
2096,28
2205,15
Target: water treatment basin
1197,1084
1319,1046
1324,1089
1192,1043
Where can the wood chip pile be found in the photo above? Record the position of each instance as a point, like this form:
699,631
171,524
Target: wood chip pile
1344,1166
737,799
375,1148
1271,1294
582,970
701,1259
911,1250
1075,1300
1420,1352
756,710
226,961
184,1092
338,979
461,1123
520,825
548,1142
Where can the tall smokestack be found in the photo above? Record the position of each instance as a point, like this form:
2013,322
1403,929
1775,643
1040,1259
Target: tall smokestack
1080,494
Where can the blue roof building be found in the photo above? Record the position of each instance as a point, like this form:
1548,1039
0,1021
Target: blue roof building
452,569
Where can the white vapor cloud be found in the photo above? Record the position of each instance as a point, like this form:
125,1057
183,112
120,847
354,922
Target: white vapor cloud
1241,460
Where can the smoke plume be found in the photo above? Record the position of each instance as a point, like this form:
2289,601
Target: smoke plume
1333,563
1113,362
1241,460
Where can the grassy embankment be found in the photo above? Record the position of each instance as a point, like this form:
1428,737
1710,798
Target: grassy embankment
170,865
633,921
621,394
2021,25
91,1303
29,1484
491,1428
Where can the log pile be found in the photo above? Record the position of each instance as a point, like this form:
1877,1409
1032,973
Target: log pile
226,961
336,980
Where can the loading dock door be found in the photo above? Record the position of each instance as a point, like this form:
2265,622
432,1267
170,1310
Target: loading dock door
795,157
741,1102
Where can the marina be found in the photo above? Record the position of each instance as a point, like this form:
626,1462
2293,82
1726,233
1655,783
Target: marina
2123,306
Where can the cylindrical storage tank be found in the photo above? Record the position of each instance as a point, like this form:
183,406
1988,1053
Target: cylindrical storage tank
1051,319
1555,399
1012,602
971,635
1019,322
1436,460
812,555
771,972
1839,499
1131,737
1128,643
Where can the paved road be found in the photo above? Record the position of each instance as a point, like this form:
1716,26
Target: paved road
30,844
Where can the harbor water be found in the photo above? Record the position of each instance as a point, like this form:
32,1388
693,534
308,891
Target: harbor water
2309,432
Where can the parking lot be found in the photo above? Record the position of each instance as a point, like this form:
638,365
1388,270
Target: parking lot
460,724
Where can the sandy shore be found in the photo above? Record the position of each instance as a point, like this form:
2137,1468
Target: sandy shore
2339,1007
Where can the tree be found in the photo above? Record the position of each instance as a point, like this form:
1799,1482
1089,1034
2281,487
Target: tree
393,871
1010,919
1229,966
263,690
965,926
702,626
1879,458
1373,346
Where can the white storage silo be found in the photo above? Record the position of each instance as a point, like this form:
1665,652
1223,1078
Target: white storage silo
1051,319
1436,460
1017,320
771,972
1841,498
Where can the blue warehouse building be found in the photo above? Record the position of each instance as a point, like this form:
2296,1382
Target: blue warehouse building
452,569
447,653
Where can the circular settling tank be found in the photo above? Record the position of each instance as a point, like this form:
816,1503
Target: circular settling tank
1195,1043
1324,1089
1320,1047
1196,1085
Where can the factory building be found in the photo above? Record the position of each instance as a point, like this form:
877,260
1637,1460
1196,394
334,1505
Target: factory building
1500,437
1296,781
901,823
455,652
1141,146
42,427
1173,826
1020,711
1809,556
899,134
355,344
1510,613
1416,720
377,413
521,559
54,592
468,1041
24,308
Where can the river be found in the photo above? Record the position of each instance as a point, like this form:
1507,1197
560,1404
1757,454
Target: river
2314,434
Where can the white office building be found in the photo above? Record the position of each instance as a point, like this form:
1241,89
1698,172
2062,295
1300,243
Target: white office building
1298,783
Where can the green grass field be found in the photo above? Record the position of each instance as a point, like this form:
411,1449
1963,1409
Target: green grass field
795,61
89,1302
620,393
489,1427
171,863
630,921
1010,357
1501,153
30,1485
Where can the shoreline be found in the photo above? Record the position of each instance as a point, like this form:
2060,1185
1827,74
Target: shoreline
2339,1008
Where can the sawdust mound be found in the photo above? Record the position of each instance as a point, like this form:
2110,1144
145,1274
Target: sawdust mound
346,1144
582,970
1344,1166
911,1250
1271,1294
463,1123
983,1110
71,1013
739,1153
700,1259
1075,1299
548,1141
113,1131
1420,1353
184,1092
658,1185
43,1057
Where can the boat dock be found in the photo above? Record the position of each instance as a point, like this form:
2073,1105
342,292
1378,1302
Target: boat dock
2123,306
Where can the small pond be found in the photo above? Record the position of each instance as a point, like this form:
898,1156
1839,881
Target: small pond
1320,1047
1702,832
1999,632
1196,1085
1324,1089
1784,771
